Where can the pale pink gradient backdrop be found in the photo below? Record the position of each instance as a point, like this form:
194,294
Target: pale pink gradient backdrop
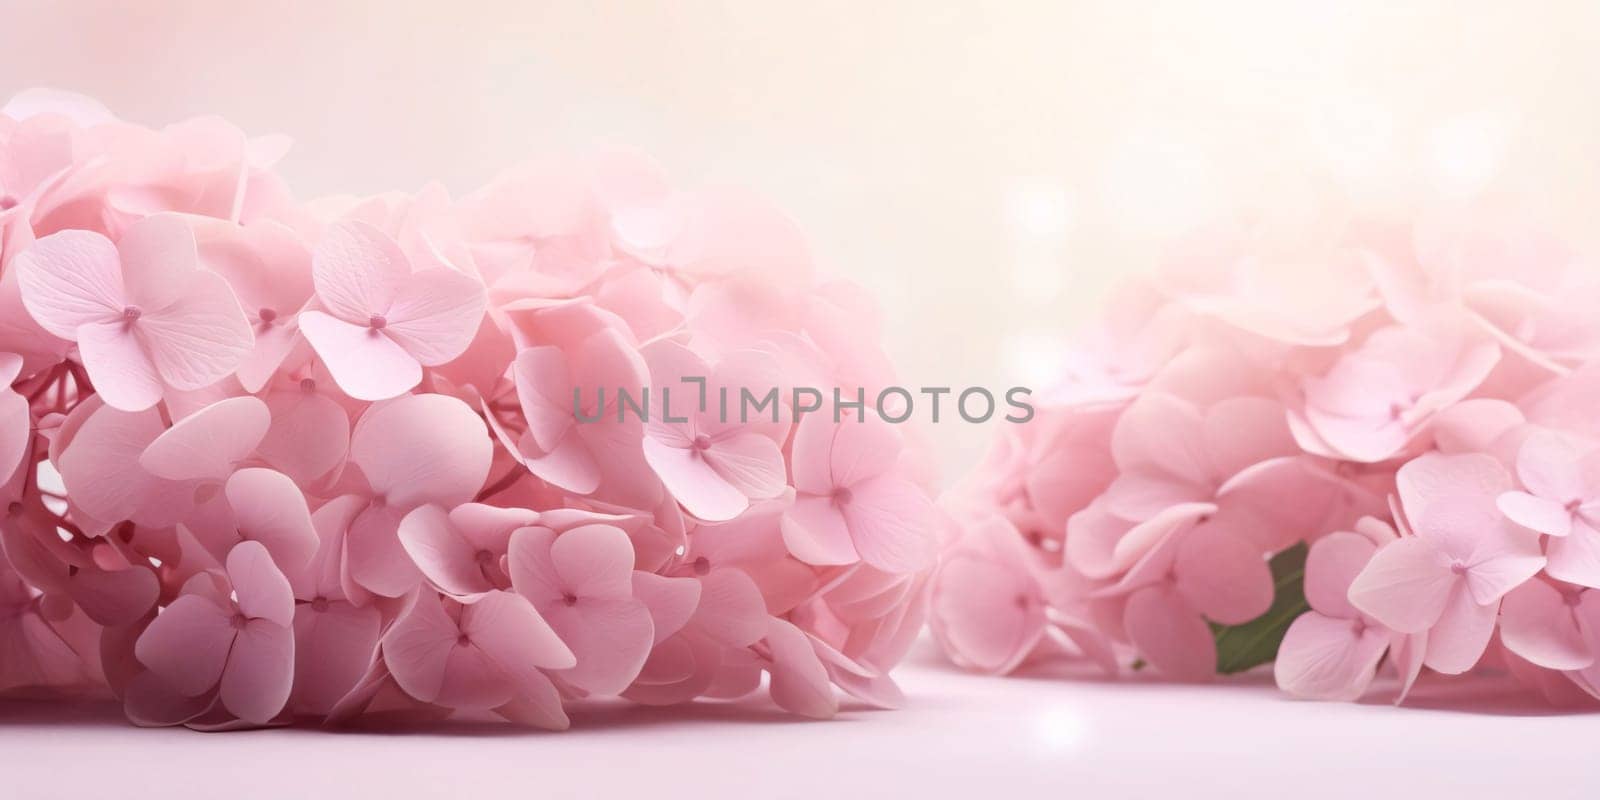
928,148
925,146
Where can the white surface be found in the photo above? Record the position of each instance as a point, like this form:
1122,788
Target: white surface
961,736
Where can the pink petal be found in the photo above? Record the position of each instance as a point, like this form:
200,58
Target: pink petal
569,464
812,453
891,521
1576,557
424,448
800,683
269,508
208,443
751,463
671,601
610,636
1222,576
533,570
335,643
115,597
309,435
444,556
201,337
71,279
1537,623
862,449
1547,465
1461,635
1427,478
539,705
123,374
1100,545
187,644
594,561
366,364
150,702
374,556
1328,658
506,627
260,672
1241,431
263,592
546,394
1406,586
732,610
436,314
358,270
159,259
101,473
1331,567
694,482
1535,513
418,647
815,531
1170,635
1161,433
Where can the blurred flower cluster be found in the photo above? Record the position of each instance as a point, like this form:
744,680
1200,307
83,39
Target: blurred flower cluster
264,460
1340,445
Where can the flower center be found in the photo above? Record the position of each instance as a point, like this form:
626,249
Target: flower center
701,565
484,557
308,385
462,640
1458,568
1358,626
842,496
377,322
569,598
131,313
267,315
7,202
239,621
14,509
319,604
702,442
1573,505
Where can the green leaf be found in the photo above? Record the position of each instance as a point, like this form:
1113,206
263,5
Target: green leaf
1240,647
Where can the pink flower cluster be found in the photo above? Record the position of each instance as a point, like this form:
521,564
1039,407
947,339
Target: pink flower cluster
263,460
1377,444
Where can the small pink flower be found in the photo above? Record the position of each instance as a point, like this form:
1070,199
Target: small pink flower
712,462
851,504
146,317
1562,479
989,606
229,635
581,581
1332,652
1374,402
1449,577
384,322
483,655
1554,626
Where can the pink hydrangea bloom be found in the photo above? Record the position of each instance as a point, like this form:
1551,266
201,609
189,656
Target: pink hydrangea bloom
1409,409
361,461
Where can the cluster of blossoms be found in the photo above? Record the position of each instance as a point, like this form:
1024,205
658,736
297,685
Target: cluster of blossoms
1369,446
263,460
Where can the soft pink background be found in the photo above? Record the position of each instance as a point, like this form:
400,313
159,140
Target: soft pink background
988,169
